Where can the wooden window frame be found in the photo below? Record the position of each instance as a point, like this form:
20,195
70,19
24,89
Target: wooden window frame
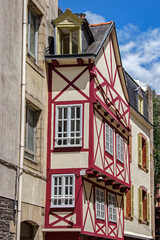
143,214
110,138
68,132
143,152
71,29
34,55
112,208
27,150
100,203
63,196
120,142
140,104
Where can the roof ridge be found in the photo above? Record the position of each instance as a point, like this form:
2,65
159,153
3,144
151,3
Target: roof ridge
99,24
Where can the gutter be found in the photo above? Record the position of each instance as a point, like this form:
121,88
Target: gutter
23,83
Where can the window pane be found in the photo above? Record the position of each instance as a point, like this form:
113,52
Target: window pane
65,43
72,112
75,40
59,113
32,32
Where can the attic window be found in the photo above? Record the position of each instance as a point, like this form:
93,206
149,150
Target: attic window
69,40
140,104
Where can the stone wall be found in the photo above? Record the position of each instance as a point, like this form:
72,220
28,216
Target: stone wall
6,218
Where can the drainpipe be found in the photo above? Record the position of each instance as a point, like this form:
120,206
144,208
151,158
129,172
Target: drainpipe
23,82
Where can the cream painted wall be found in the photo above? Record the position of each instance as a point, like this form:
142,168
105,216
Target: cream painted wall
70,94
102,67
138,177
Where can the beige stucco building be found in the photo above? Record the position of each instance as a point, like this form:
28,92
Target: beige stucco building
139,201
23,68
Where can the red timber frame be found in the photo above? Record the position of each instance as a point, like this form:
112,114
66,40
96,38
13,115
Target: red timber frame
122,119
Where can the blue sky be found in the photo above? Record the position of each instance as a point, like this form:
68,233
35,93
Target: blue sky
138,28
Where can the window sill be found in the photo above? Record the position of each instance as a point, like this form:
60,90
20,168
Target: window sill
100,220
32,62
120,162
128,218
144,222
61,208
67,149
112,222
142,168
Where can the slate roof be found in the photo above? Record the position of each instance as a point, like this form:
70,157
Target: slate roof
100,33
133,88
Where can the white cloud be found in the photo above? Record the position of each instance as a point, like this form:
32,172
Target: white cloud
94,18
140,53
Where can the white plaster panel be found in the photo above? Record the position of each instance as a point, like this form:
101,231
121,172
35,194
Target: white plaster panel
88,224
69,160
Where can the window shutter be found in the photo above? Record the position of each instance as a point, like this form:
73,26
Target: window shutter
139,150
147,156
148,207
124,198
132,201
140,205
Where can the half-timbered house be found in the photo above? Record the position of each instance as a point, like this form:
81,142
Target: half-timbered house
88,168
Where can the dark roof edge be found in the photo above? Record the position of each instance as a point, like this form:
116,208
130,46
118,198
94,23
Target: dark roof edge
142,115
104,39
83,55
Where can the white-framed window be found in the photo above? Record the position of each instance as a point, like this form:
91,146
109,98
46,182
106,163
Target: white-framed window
32,34
68,126
63,190
108,139
99,198
30,133
120,154
112,207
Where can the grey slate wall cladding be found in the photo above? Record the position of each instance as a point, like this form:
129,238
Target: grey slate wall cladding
86,40
6,215
133,96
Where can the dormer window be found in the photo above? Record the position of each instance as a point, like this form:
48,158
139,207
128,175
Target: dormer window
69,40
68,33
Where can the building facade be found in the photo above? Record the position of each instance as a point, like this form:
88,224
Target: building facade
88,168
23,22
139,200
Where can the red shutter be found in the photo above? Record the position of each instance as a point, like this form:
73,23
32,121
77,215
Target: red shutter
128,203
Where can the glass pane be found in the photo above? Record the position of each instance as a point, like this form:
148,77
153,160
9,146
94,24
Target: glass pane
78,112
66,190
75,40
65,113
55,191
71,180
78,125
66,180
70,201
65,126
72,125
66,202
65,43
32,32
60,126
59,113
71,191
60,181
72,112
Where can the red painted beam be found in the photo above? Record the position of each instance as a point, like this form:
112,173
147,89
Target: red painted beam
109,182
80,61
55,63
